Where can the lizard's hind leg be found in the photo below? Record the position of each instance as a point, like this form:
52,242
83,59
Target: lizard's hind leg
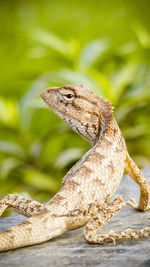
112,206
26,207
99,220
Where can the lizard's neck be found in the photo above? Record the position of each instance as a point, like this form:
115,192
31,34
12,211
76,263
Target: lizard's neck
95,130
107,124
105,119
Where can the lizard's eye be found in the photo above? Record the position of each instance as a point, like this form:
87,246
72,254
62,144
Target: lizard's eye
69,96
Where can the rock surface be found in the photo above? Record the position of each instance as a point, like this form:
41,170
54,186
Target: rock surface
70,249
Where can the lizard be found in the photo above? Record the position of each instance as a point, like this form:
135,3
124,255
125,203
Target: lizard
86,196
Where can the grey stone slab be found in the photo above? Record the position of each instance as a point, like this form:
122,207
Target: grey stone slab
70,249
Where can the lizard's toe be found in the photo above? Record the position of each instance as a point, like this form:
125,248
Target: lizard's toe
132,203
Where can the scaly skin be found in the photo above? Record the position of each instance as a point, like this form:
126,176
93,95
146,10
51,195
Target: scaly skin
85,196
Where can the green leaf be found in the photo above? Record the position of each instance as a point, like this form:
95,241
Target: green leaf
142,34
68,156
30,100
7,165
9,113
91,52
51,40
39,180
11,148
122,78
104,83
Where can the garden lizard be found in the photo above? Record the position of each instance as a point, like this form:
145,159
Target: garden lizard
85,198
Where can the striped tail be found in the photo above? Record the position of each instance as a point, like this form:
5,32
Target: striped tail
34,230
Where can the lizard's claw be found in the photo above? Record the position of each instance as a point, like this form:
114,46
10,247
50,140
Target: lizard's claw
132,203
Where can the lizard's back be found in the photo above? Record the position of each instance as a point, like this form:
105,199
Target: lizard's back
97,177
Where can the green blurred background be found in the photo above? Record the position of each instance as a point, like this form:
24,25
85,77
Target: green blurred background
102,44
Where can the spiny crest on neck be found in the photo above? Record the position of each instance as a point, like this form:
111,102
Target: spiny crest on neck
87,114
106,111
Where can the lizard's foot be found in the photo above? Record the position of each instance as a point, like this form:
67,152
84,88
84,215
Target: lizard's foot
148,208
134,205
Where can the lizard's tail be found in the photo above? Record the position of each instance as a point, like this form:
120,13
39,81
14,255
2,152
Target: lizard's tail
34,230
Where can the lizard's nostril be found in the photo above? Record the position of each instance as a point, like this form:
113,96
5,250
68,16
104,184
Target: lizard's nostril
48,90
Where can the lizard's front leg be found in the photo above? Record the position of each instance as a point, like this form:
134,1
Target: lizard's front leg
138,177
26,207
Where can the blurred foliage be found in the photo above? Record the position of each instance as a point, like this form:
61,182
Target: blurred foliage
102,44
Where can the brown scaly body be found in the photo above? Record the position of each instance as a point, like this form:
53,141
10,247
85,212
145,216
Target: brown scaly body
86,194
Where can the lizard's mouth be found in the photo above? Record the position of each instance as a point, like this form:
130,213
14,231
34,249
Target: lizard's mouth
43,95
49,104
46,100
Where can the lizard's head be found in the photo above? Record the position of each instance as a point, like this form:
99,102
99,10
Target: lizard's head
79,107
